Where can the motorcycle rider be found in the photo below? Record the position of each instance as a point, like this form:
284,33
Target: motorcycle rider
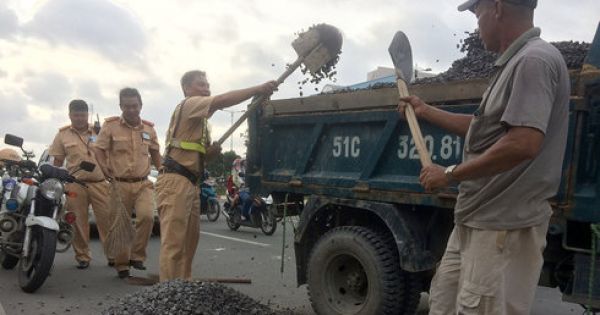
73,144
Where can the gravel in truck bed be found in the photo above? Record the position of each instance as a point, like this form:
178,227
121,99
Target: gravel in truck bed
479,63
187,297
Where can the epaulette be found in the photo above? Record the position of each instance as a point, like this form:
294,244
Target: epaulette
64,128
149,123
113,118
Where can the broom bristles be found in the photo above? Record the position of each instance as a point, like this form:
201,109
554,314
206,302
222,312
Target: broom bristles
121,232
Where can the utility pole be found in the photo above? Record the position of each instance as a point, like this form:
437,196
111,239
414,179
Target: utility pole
232,112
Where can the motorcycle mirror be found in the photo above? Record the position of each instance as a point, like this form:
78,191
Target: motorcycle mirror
13,140
241,174
87,166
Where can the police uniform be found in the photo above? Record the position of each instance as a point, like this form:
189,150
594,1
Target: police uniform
128,150
177,189
74,147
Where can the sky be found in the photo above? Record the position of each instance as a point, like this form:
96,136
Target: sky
53,51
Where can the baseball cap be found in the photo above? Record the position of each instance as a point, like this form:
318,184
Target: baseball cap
532,4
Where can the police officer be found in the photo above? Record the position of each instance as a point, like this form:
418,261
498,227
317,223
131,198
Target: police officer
8,154
125,148
73,144
177,184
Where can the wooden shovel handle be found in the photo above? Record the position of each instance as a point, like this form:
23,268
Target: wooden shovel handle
413,125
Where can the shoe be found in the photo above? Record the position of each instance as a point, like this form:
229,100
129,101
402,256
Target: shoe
111,263
83,264
139,265
123,274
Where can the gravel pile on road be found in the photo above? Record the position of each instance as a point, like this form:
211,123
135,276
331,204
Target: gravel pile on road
187,297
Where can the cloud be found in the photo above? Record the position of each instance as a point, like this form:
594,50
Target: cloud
9,22
50,89
94,24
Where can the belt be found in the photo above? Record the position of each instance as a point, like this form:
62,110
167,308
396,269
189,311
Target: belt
131,179
171,166
94,181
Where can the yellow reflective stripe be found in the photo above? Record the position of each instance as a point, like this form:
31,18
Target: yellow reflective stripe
189,146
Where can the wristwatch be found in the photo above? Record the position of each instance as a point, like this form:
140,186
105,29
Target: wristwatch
449,173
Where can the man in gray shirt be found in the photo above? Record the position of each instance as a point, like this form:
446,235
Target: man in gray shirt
512,162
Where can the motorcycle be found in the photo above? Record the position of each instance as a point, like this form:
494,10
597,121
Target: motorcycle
33,224
209,204
260,216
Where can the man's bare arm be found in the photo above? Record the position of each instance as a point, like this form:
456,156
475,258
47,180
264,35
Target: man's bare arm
457,124
237,96
518,145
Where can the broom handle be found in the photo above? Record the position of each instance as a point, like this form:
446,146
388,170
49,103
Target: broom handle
413,125
259,100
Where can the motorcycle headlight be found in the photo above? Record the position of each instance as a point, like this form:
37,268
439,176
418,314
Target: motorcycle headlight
52,189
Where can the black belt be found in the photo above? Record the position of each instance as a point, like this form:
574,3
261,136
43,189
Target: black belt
171,166
131,179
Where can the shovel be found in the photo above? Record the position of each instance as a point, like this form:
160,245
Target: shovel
402,58
315,48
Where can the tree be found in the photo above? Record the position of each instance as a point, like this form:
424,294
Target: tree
221,165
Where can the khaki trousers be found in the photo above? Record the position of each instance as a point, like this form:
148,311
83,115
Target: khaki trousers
95,194
138,196
488,272
179,212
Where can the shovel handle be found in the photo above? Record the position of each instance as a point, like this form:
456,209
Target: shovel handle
259,100
413,125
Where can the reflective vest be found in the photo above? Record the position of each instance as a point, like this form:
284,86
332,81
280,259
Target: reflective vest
196,145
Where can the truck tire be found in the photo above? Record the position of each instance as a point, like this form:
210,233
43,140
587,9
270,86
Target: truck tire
353,270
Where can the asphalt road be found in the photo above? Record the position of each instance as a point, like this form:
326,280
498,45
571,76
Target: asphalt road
222,253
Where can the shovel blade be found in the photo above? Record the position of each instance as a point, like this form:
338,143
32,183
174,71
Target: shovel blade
401,54
319,45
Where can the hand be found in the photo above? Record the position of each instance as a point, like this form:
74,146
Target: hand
214,149
433,177
418,105
267,88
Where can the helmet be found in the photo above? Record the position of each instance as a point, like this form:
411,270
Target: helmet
9,154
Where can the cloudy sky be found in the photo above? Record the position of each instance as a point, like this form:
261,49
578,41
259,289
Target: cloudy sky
52,51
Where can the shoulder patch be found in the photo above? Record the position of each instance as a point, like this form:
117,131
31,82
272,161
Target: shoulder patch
113,118
64,128
149,123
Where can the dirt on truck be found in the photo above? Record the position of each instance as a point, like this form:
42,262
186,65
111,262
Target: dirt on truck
369,236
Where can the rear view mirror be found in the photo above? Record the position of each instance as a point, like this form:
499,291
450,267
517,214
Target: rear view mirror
241,174
87,166
13,140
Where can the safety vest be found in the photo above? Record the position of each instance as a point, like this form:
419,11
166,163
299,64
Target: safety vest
196,145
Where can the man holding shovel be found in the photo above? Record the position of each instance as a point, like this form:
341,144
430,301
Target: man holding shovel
512,158
125,148
177,184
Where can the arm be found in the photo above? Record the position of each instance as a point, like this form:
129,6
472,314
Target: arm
156,158
520,144
237,96
101,158
455,123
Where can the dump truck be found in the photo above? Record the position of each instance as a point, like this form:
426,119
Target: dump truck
369,236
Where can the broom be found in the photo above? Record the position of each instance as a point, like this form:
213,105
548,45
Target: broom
121,232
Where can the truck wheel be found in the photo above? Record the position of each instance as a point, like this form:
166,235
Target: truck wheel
353,270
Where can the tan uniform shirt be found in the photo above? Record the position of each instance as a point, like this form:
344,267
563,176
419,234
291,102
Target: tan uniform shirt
191,128
127,147
75,147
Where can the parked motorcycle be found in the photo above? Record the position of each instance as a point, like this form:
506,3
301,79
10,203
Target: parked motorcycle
260,216
209,204
33,224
